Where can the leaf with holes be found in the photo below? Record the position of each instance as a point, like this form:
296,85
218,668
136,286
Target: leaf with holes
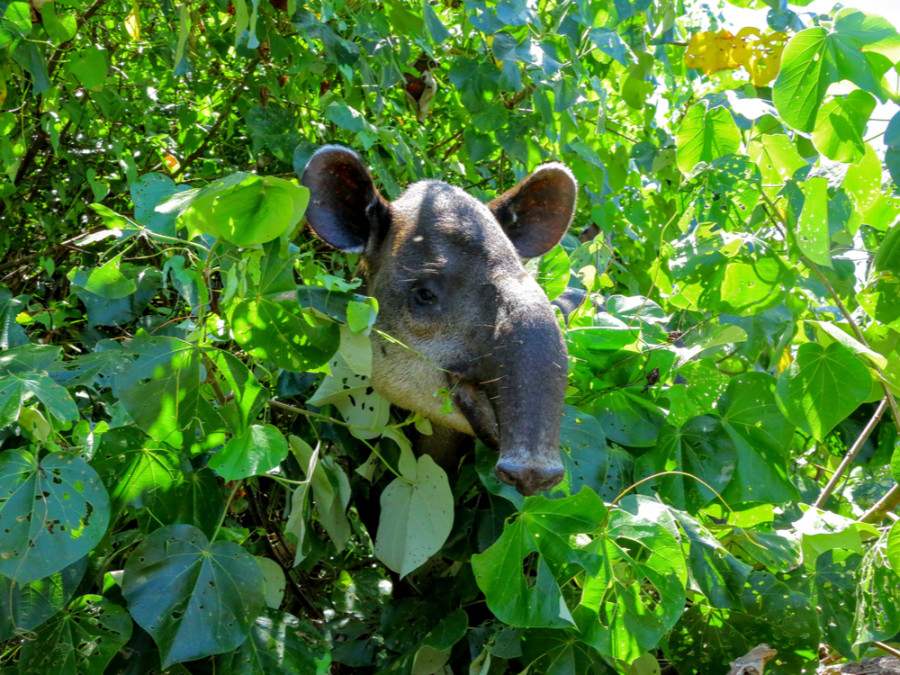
532,596
195,598
52,512
81,640
279,644
24,607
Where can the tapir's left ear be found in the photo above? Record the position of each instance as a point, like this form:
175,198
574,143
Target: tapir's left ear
536,213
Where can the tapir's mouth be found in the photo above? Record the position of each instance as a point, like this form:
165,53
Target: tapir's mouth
528,470
475,405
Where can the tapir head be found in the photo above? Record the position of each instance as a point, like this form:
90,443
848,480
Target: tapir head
457,310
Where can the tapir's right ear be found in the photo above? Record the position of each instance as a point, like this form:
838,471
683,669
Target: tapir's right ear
344,208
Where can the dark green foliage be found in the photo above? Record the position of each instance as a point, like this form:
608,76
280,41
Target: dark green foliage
195,473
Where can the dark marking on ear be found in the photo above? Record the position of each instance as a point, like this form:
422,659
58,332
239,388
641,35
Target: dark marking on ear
345,209
536,213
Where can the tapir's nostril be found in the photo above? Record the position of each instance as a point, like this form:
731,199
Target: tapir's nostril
528,479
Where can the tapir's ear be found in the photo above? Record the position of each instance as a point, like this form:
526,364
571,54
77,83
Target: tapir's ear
536,213
344,208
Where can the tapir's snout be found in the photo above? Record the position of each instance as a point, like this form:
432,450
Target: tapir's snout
528,478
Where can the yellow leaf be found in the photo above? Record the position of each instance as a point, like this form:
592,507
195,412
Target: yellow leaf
133,23
785,361
710,52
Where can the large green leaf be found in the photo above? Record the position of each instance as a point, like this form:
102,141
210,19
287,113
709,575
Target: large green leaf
15,22
52,512
761,436
163,392
702,448
546,528
270,322
705,135
416,516
82,639
140,472
618,617
195,598
822,387
245,210
816,58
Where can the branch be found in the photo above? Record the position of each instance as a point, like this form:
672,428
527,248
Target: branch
884,506
851,454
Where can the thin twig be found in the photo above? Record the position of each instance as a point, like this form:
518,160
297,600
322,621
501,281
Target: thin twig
887,648
851,454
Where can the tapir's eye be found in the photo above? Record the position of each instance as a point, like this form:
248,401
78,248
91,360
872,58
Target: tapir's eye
424,297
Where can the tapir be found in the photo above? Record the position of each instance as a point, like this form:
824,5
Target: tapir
457,309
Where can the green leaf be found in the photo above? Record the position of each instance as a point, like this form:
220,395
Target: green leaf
761,436
106,281
816,58
703,449
547,528
887,258
162,391
103,311
147,192
52,512
331,491
244,209
195,598
840,124
24,607
777,159
60,28
842,333
271,324
893,547
279,644
15,22
436,30
720,575
822,387
812,225
138,471
617,617
553,272
90,66
416,517
705,135
82,639
258,450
